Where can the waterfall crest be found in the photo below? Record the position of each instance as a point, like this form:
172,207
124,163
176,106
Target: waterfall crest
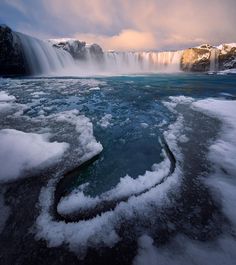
143,62
43,58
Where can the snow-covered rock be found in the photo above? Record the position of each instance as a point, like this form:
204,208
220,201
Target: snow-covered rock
78,49
209,58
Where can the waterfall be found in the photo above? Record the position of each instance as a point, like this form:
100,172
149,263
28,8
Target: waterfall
44,59
143,62
214,62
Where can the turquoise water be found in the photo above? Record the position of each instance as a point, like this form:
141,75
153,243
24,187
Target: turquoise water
127,115
136,115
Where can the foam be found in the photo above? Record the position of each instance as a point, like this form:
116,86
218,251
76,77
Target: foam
20,152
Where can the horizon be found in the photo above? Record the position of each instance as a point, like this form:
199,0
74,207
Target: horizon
125,26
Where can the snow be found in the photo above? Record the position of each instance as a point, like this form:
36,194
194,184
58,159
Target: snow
125,188
21,152
5,106
231,45
56,41
101,230
228,71
75,202
222,152
89,147
94,88
6,97
6,101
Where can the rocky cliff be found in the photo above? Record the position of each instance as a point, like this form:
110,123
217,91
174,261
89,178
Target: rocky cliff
18,54
208,58
12,61
79,50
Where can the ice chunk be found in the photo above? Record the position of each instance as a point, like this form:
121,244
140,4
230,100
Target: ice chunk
20,151
6,97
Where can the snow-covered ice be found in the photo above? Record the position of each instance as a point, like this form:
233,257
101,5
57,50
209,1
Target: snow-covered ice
20,151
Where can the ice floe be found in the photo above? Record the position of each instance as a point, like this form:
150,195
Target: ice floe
20,151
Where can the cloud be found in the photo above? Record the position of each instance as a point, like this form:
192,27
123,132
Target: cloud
17,4
127,39
131,24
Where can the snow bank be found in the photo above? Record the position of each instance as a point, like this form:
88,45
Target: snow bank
20,151
88,146
126,187
222,152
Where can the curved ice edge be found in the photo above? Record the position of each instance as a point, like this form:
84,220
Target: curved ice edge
105,204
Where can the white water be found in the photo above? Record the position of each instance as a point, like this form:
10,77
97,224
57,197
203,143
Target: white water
138,62
43,58
214,60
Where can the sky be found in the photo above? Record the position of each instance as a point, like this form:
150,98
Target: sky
125,24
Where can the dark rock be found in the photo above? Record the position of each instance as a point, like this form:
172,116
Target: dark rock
76,48
79,51
227,57
199,59
96,52
196,59
12,61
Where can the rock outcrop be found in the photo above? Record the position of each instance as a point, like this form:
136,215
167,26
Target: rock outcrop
76,48
208,58
79,50
96,52
227,56
196,59
12,61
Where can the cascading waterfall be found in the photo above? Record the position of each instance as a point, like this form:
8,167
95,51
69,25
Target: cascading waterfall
214,62
141,62
43,58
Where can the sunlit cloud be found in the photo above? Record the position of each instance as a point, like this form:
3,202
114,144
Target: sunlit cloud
128,24
126,40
